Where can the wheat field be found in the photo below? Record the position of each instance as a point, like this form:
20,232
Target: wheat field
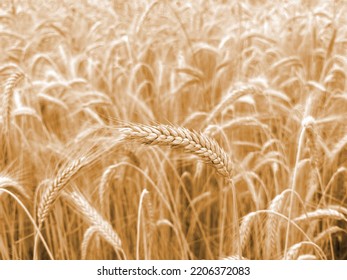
172,130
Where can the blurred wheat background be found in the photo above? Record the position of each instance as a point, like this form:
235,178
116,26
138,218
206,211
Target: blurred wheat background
173,129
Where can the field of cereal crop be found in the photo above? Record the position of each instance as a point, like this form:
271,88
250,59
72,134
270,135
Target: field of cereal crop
173,129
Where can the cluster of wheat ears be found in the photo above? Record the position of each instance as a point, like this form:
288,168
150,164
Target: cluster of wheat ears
173,130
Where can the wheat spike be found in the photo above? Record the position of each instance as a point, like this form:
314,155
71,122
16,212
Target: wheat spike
94,218
6,112
52,192
276,205
321,214
88,234
312,137
7,98
195,143
234,257
245,228
103,184
231,97
307,257
6,182
293,251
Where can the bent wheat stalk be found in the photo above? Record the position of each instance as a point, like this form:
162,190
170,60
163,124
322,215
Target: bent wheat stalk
204,147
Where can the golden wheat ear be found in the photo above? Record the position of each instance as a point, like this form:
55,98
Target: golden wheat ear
202,146
51,194
11,83
97,224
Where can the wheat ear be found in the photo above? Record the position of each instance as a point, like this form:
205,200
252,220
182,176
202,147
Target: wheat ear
276,205
321,214
230,98
7,98
204,147
313,144
7,182
245,228
106,176
306,122
6,111
88,234
293,252
101,226
53,191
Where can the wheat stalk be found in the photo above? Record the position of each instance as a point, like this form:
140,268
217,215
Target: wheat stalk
149,222
143,194
306,123
204,147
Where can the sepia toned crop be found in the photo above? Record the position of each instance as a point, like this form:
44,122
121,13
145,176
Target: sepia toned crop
189,130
